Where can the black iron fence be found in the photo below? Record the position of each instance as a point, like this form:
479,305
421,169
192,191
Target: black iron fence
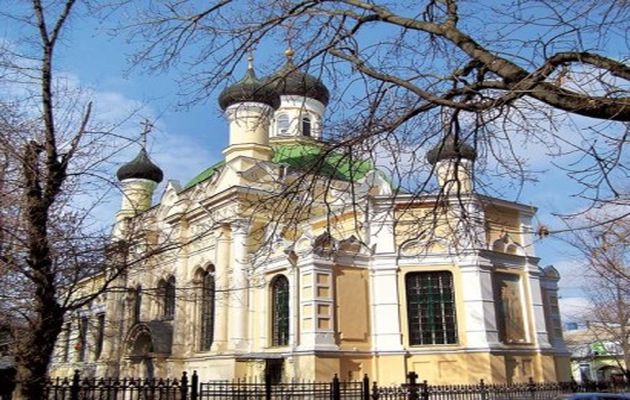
78,388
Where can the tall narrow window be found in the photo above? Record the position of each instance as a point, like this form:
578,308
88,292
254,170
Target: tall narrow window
82,343
169,298
100,335
207,310
306,126
66,344
431,308
280,311
137,304
283,124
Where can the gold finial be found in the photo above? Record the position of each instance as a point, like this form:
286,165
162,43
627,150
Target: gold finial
289,53
147,125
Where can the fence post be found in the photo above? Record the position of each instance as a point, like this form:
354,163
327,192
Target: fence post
267,386
194,386
365,389
76,381
425,390
183,386
532,388
412,385
482,390
375,395
336,392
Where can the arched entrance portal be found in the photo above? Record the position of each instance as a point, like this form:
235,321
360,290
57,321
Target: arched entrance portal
140,351
147,345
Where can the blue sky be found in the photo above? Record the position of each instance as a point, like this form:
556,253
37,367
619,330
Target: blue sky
187,140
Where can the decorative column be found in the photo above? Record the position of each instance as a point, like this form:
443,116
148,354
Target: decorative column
221,271
549,286
478,296
238,298
292,276
527,234
539,327
385,313
380,224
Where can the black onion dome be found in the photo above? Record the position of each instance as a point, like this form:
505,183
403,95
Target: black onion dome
249,89
450,148
289,80
140,167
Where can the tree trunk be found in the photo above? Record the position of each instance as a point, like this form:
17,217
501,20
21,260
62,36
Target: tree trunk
35,352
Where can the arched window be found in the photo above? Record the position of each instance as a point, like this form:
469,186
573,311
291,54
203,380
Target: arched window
306,126
207,309
283,124
431,308
82,344
280,311
169,298
137,304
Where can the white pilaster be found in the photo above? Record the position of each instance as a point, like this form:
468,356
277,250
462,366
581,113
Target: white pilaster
381,228
222,260
292,277
238,298
549,287
527,239
384,288
539,327
479,309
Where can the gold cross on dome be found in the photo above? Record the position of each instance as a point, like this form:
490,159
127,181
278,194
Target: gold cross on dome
147,127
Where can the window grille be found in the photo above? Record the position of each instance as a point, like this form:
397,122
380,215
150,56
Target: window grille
431,308
280,311
207,310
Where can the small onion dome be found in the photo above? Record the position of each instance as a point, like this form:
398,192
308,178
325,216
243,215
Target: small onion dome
451,148
249,89
140,167
291,81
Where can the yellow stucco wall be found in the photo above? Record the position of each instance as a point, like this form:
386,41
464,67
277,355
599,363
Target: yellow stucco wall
500,220
352,308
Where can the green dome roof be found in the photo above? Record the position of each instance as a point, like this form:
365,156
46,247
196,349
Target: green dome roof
308,158
451,148
140,167
249,89
311,158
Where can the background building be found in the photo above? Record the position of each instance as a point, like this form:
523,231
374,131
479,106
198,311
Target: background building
295,260
595,356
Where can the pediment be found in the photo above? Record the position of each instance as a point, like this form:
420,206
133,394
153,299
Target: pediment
260,172
352,246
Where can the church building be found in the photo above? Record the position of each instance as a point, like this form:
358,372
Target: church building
293,259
